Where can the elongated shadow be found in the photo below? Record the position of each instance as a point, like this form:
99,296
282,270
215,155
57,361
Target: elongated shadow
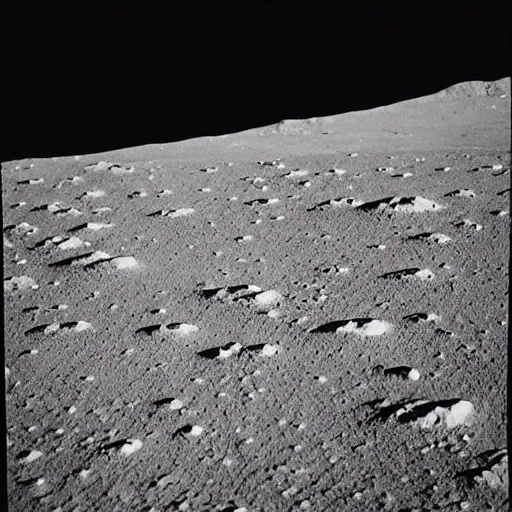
491,458
398,371
420,236
182,431
98,262
41,243
387,412
422,410
332,326
372,205
149,330
77,228
210,292
400,273
111,446
69,261
319,205
163,401
37,329
416,317
255,348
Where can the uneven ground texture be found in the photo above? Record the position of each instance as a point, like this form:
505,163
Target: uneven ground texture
307,316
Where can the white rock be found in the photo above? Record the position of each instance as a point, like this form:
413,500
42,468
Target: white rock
71,243
18,283
413,375
469,224
268,298
82,326
94,257
181,212
467,193
103,209
183,329
84,473
52,328
95,226
269,350
234,349
291,490
496,476
139,193
440,238
297,173
371,328
70,211
122,170
55,207
24,228
176,405
131,446
100,166
418,205
124,262
196,431
459,414
425,274
31,457
95,193
345,201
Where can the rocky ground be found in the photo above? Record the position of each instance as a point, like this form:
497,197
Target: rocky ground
306,316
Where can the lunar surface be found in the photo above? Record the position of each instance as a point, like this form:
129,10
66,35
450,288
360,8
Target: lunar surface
311,315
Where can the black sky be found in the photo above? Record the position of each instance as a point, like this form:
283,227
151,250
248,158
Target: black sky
85,77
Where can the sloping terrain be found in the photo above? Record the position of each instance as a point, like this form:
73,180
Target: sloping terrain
306,316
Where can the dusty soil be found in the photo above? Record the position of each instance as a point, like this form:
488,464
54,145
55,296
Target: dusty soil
306,316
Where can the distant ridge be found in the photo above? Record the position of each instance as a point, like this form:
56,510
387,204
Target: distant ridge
461,91
477,88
